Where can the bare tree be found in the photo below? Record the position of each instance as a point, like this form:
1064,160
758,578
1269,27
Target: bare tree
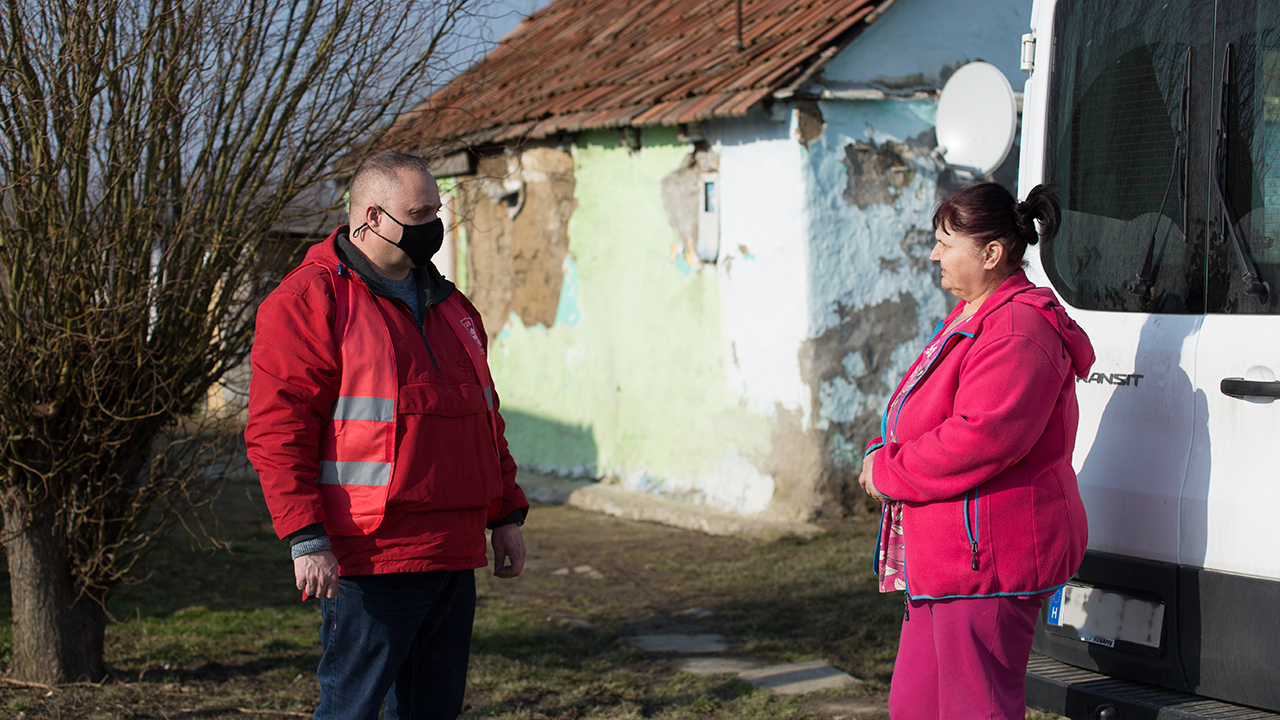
149,151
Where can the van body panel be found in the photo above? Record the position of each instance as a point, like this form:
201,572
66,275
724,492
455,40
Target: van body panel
1136,423
1159,120
1232,494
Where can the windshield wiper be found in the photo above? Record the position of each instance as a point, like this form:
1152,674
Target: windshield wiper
1141,283
1253,284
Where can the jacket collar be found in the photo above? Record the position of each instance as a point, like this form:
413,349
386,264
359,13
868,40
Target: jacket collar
1018,288
338,249
1013,286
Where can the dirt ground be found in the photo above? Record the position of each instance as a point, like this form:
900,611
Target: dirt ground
639,572
182,650
786,600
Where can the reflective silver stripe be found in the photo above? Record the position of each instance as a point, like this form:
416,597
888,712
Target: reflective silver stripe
488,397
365,408
355,473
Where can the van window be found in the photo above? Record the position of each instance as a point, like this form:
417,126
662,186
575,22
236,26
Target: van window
1164,140
1252,159
1114,150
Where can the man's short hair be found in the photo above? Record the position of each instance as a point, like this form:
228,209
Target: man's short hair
380,173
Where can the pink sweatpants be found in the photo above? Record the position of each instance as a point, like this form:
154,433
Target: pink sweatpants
965,658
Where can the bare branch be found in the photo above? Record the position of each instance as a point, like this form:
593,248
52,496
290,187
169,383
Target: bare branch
150,152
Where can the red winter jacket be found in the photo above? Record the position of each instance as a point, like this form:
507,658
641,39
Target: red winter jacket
982,457
448,482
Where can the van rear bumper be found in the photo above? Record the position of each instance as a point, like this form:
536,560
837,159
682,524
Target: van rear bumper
1056,687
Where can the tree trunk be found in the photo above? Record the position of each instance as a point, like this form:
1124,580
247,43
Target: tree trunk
57,636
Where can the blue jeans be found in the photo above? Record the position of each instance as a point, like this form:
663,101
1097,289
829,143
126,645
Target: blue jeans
403,637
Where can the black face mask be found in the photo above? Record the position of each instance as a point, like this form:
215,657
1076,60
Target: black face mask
419,242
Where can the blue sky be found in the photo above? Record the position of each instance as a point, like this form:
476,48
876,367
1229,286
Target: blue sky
493,19
509,13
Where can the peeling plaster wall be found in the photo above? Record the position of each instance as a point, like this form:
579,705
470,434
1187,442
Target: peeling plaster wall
517,208
629,381
752,383
764,292
836,212
826,288
871,188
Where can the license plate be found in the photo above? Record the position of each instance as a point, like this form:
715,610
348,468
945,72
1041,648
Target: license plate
1104,616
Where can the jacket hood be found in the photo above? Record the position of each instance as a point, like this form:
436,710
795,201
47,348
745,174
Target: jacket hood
325,253
1075,343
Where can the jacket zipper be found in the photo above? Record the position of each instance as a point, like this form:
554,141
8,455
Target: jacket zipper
423,332
937,356
972,530
422,327
884,433
972,533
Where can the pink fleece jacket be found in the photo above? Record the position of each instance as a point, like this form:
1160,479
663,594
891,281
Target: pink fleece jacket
980,452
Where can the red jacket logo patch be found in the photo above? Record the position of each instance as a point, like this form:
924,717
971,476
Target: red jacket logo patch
470,325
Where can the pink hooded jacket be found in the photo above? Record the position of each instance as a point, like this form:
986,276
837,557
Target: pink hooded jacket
982,452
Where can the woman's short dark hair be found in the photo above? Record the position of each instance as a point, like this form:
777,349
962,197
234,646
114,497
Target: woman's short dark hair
988,211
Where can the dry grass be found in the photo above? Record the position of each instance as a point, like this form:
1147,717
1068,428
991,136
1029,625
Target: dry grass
219,632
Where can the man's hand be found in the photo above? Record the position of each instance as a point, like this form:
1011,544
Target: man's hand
317,574
864,479
508,551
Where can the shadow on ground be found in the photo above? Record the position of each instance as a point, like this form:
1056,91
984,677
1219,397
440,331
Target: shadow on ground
217,628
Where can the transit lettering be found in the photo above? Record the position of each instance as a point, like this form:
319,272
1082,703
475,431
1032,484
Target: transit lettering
1122,379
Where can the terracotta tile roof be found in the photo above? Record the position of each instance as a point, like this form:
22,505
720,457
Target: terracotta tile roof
586,64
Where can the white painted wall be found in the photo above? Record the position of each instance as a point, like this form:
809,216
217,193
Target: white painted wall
764,261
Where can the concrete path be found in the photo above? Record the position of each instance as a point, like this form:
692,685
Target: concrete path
695,651
679,644
618,501
703,654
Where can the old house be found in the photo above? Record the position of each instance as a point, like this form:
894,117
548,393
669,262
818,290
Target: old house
698,231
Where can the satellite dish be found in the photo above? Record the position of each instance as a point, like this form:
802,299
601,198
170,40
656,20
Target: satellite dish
977,119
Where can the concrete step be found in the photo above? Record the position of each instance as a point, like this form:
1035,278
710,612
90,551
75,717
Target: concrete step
622,502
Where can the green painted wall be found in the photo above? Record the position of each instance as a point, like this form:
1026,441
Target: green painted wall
631,376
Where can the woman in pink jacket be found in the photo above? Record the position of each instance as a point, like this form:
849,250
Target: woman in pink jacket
982,516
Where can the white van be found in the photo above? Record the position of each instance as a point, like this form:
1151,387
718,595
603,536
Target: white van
1159,121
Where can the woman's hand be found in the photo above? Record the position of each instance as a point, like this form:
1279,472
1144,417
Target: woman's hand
864,479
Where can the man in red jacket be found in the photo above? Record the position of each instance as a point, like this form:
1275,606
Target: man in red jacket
374,428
